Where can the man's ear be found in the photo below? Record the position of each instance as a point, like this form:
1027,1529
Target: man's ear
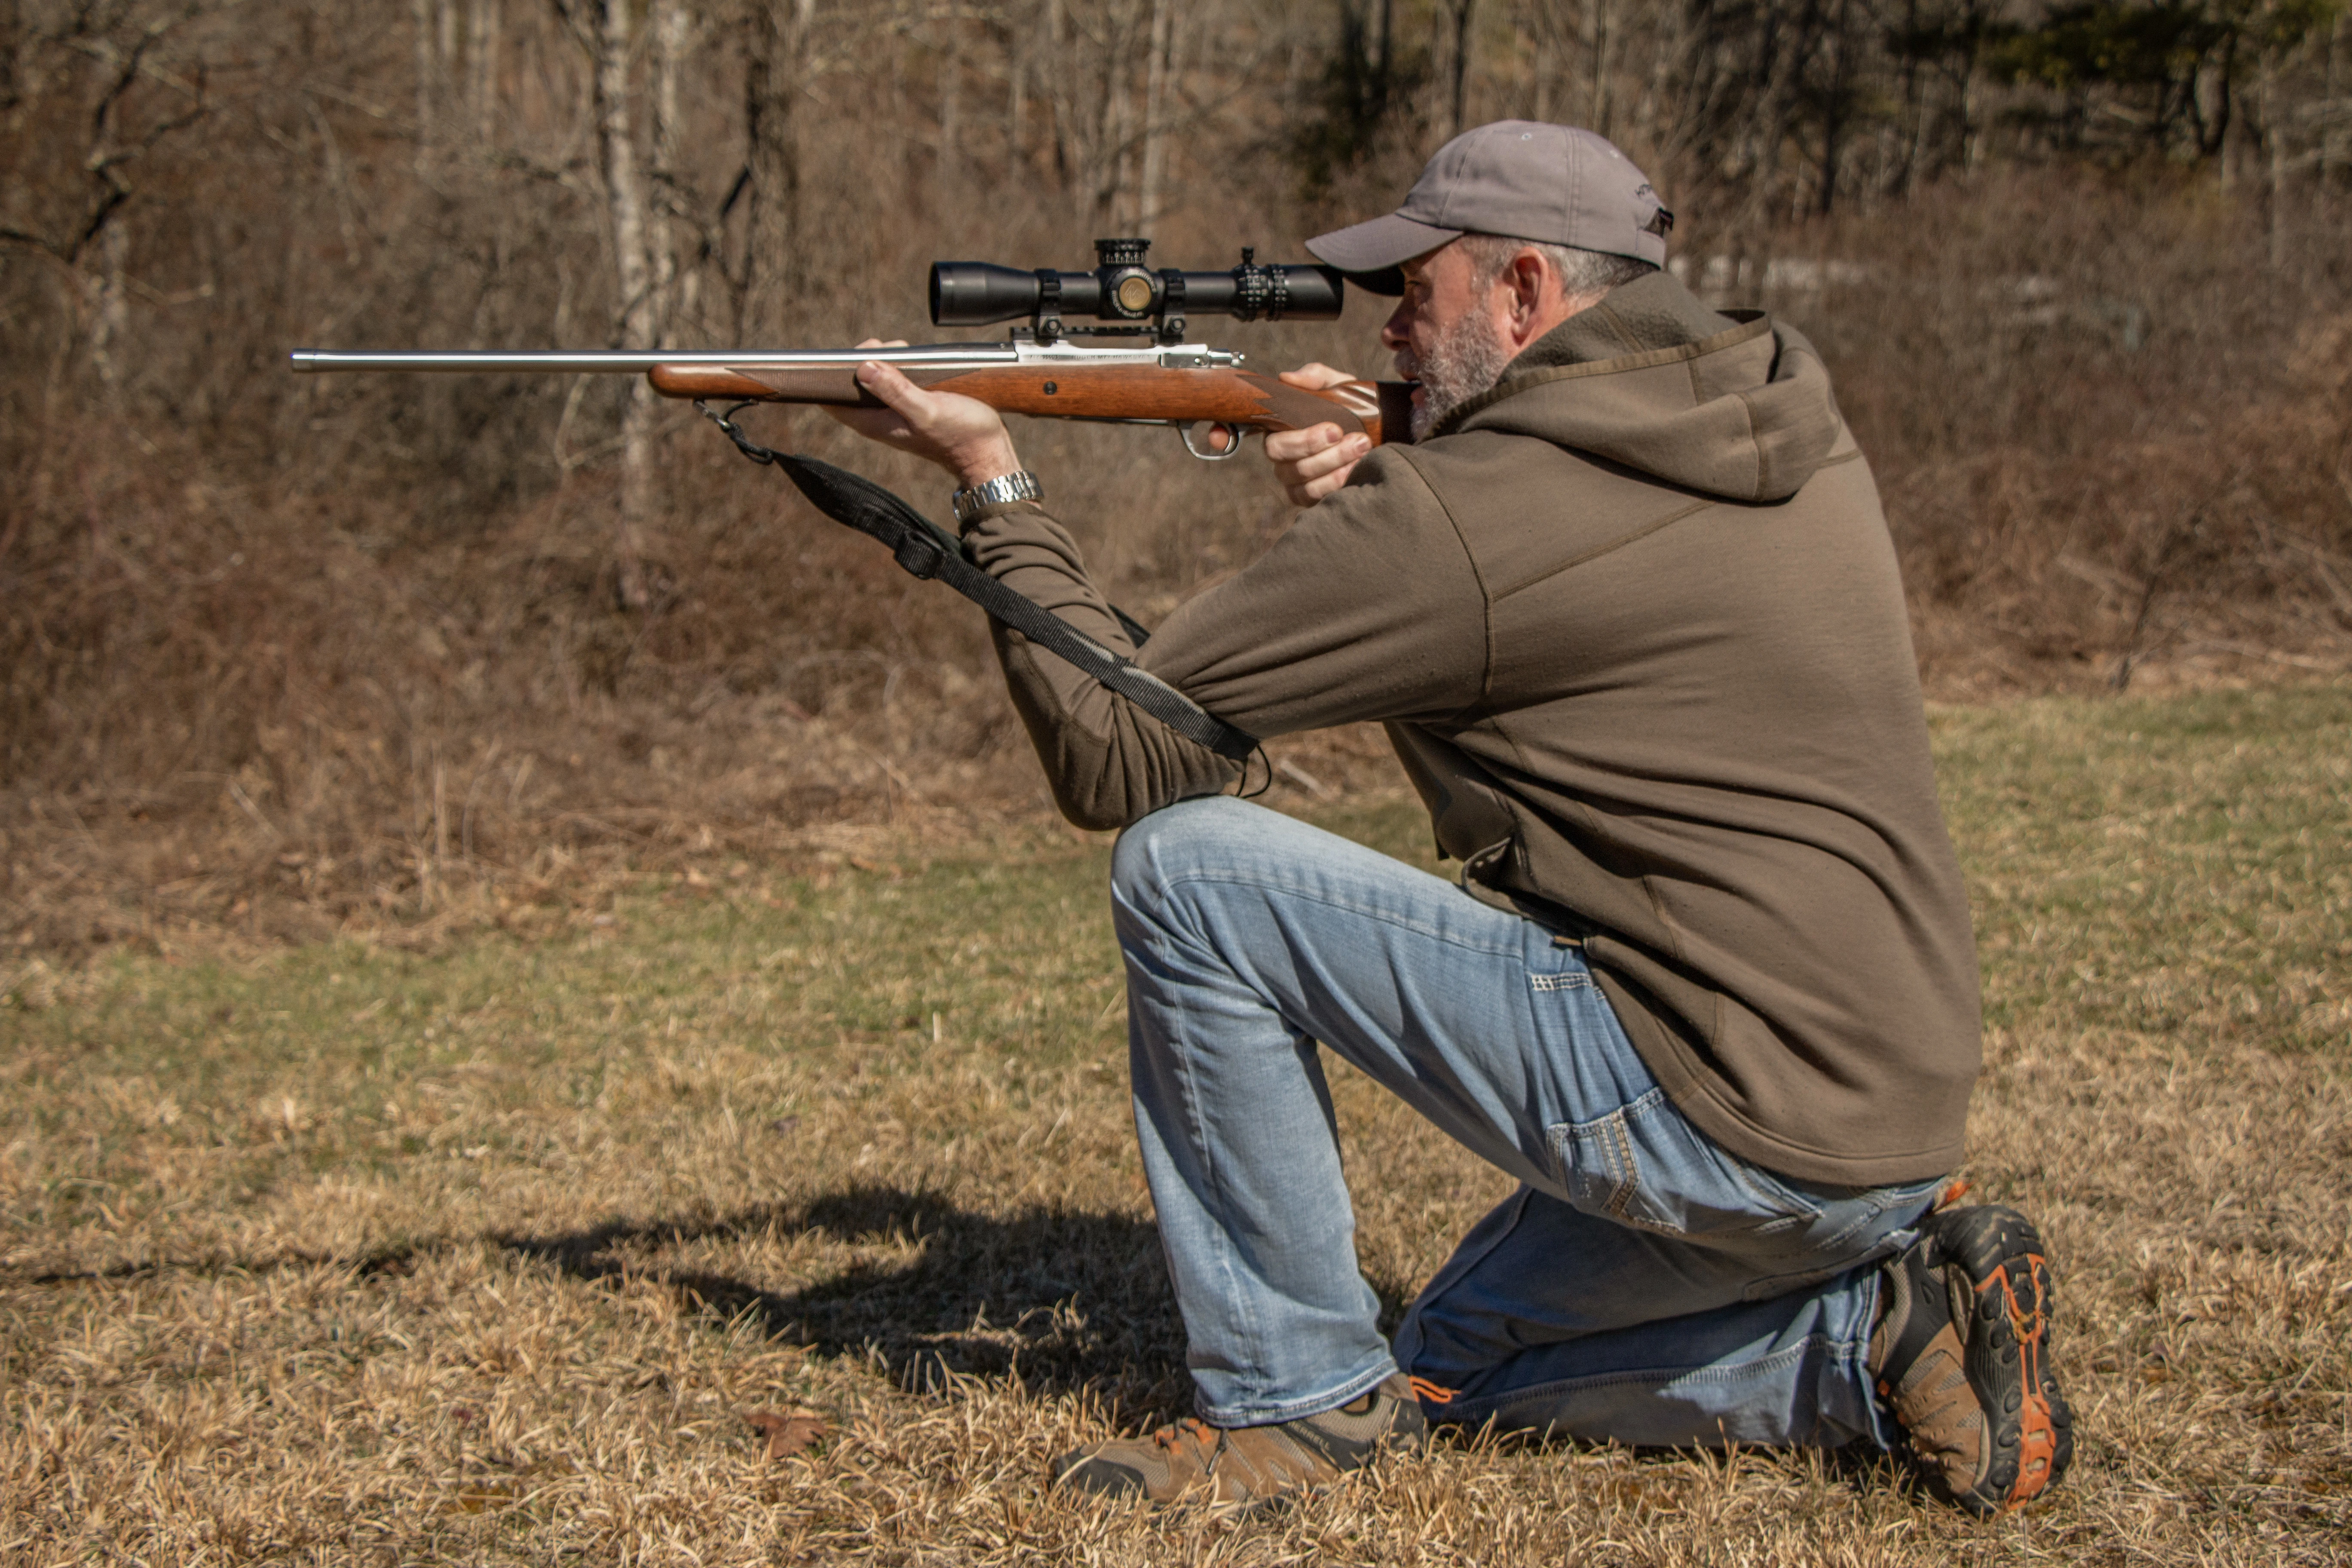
1528,277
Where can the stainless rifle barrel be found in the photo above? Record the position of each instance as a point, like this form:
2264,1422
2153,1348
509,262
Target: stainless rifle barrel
627,361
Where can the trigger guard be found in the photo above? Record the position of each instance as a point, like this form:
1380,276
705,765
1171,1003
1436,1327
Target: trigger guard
1233,432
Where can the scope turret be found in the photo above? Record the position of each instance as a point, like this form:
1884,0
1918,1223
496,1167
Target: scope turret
1122,290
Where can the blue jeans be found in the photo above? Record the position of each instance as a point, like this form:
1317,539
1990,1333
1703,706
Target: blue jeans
1641,1284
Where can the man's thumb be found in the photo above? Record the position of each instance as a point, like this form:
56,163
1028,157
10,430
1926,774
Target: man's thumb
886,383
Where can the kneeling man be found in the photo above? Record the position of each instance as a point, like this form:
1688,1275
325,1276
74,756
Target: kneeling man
1707,988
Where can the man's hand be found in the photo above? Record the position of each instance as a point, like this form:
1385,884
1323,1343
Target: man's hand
962,434
1312,462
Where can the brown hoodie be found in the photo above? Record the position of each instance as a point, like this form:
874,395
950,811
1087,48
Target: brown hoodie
1633,624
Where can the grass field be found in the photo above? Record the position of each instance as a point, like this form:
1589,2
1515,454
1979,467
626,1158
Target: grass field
353,1255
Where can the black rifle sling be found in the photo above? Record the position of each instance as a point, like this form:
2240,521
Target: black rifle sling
928,551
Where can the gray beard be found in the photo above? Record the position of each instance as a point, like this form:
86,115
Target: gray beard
1466,361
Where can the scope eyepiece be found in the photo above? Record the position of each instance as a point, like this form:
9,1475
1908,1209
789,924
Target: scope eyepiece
1122,288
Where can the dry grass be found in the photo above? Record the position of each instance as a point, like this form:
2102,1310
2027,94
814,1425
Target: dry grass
344,1252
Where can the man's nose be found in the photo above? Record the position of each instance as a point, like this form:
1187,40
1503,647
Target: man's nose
1397,330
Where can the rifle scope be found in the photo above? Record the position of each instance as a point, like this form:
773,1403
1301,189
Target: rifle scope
1122,290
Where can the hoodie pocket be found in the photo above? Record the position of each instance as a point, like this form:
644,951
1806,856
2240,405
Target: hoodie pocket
1644,1165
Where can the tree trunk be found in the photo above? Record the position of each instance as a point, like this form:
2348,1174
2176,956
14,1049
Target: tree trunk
1897,181
1534,22
672,287
1461,13
2273,139
1155,112
949,167
771,168
11,41
485,29
1599,43
624,202
1114,135
428,82
1069,154
110,304
1834,107
2333,134
445,44
1016,102
1659,132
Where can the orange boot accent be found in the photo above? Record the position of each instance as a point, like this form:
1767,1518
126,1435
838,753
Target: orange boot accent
2037,1445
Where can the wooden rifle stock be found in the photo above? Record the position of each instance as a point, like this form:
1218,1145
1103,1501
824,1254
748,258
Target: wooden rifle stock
1237,399
1184,385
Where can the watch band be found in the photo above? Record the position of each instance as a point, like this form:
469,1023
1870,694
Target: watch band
1020,485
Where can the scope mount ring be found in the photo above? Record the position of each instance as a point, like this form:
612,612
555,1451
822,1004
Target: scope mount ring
1234,433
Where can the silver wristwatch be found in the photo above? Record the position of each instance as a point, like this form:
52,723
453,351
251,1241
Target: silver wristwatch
1020,485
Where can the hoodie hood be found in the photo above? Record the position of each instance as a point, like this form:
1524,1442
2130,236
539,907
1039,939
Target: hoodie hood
1725,404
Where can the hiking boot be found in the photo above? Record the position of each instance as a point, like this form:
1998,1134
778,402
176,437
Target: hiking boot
1962,1358
1248,1463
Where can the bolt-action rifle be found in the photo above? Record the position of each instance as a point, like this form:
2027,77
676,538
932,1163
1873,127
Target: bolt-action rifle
1040,371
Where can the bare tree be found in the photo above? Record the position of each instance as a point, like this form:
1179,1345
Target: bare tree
1158,70
768,188
1114,134
1088,60
1456,19
2335,107
949,166
485,27
1540,23
141,97
1601,50
1018,46
676,206
428,82
625,201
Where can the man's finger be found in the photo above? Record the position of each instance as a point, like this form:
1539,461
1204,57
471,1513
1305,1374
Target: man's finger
1323,468
1289,445
1331,460
1316,377
886,383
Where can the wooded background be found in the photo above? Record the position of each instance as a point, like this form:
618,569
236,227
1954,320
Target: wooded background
286,652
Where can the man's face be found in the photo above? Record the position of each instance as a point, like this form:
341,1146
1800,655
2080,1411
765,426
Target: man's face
1444,334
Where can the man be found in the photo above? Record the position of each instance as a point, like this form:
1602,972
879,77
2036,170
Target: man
1628,608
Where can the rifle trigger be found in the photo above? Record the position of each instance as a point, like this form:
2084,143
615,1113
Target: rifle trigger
1234,433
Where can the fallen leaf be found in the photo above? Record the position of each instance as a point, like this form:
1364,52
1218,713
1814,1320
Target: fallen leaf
787,1431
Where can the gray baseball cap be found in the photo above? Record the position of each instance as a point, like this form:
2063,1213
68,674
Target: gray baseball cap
1553,183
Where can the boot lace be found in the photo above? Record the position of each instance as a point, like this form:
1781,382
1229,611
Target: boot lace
1191,1429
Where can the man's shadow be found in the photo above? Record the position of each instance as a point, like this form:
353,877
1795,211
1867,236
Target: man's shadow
1067,1300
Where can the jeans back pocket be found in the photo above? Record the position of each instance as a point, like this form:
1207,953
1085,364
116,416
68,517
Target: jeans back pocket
1645,1166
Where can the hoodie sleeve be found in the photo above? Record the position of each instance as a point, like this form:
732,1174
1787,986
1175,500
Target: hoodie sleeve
1368,608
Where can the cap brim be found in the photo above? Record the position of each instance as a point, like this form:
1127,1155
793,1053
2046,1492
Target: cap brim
1371,254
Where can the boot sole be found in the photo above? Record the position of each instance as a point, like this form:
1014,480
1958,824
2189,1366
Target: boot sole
2008,1275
